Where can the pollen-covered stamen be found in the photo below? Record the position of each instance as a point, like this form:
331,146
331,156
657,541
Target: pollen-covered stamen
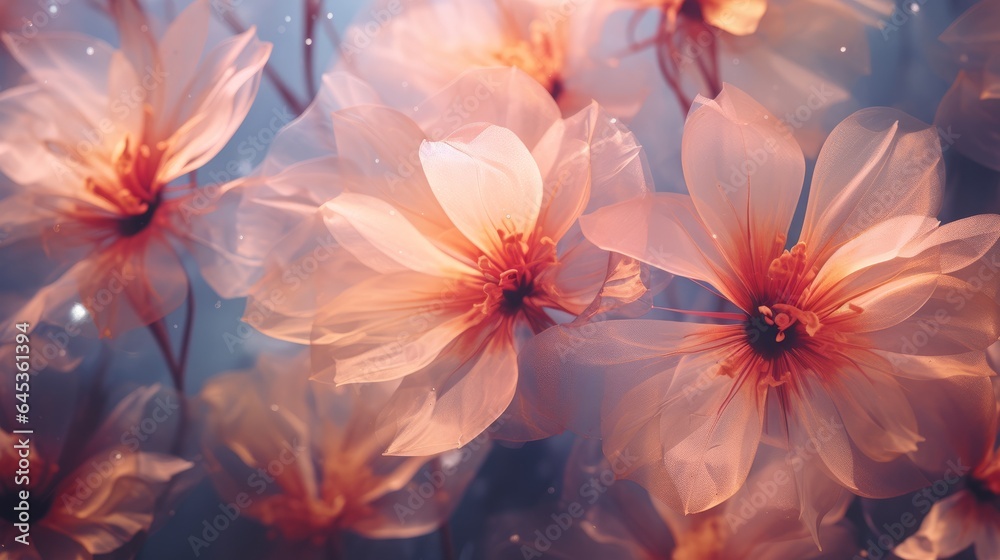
788,277
511,278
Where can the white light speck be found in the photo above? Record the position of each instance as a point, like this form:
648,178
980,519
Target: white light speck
288,19
451,459
508,216
78,312
309,42
376,160
715,236
53,9
329,15
843,49
274,408
914,7
90,51
613,120
218,304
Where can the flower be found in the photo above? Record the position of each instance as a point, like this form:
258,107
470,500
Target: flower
968,517
306,458
93,144
600,517
830,342
971,107
549,40
92,484
798,58
449,246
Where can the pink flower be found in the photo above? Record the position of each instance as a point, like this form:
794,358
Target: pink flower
969,517
550,40
450,244
93,144
826,347
971,108
91,488
315,464
798,58
600,517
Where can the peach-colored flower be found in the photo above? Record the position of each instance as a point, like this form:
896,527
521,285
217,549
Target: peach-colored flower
971,108
969,517
799,58
309,464
736,17
828,344
93,486
600,517
94,143
550,40
450,244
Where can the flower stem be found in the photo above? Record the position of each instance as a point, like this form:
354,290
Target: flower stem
447,549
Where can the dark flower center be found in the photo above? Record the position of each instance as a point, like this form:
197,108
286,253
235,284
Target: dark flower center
132,225
767,339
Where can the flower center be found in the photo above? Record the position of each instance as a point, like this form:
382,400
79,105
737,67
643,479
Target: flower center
540,56
780,326
511,279
132,190
984,483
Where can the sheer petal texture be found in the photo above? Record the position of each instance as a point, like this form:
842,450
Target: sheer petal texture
849,343
968,518
543,38
451,243
92,142
970,110
799,59
618,519
332,475
99,489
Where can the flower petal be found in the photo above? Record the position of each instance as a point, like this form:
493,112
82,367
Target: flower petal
486,181
665,231
876,165
744,173
380,236
454,399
